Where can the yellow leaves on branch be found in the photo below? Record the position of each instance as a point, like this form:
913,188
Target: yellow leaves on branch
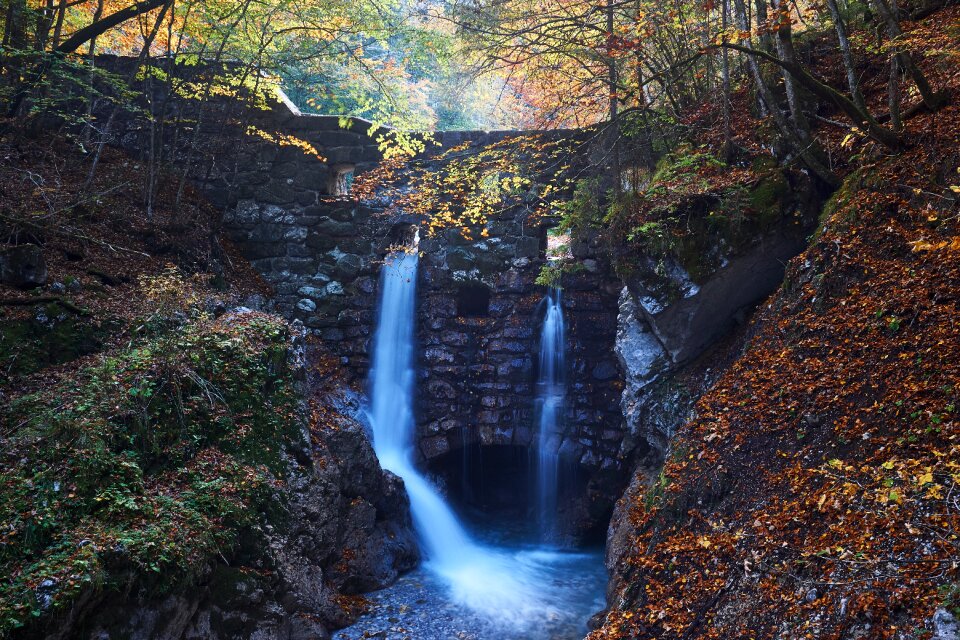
286,140
466,185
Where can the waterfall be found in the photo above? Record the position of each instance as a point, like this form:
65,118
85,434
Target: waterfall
391,411
551,390
487,580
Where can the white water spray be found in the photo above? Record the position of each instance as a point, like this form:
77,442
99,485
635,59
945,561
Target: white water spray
551,390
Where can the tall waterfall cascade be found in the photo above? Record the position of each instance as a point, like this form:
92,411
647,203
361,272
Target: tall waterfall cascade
517,587
551,390
391,410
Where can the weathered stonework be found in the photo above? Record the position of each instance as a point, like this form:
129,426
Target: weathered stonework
321,253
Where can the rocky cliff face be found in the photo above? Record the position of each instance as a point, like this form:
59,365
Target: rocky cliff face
676,335
677,303
805,498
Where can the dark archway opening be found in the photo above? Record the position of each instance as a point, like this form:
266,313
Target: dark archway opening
341,180
495,478
473,300
498,484
403,234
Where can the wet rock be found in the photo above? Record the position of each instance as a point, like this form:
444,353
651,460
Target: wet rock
945,626
606,370
433,447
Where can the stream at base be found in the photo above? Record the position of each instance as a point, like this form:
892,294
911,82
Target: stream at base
565,588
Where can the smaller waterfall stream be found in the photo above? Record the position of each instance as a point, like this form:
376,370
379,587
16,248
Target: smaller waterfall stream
511,589
550,395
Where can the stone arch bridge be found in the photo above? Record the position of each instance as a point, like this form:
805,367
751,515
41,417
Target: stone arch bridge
479,306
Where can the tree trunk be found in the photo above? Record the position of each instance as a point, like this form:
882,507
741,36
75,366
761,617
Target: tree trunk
787,53
144,52
614,105
806,150
889,14
727,128
766,42
44,23
15,31
101,25
893,95
58,27
846,54
824,91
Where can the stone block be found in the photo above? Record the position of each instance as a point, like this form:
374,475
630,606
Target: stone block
246,212
306,196
23,266
365,285
295,235
527,247
435,446
307,305
330,227
275,193
320,241
257,250
460,259
333,334
348,265
314,293
441,389
437,355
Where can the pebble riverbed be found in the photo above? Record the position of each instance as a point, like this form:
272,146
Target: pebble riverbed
419,605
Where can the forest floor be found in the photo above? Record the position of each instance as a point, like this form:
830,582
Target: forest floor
100,244
816,494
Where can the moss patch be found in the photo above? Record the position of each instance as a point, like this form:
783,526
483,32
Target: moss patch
50,336
149,463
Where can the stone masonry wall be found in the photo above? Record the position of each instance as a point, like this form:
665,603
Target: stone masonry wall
479,308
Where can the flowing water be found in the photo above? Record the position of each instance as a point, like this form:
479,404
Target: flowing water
491,586
550,394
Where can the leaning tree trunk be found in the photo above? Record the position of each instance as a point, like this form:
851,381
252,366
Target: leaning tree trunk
889,14
787,53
